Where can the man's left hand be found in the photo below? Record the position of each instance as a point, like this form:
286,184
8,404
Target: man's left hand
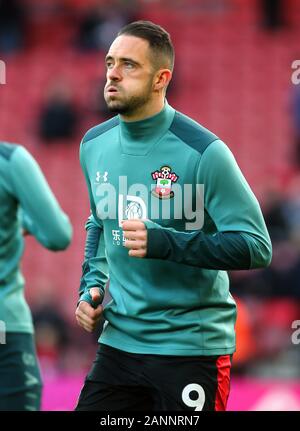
135,234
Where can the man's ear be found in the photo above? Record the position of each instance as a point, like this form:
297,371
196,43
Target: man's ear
162,79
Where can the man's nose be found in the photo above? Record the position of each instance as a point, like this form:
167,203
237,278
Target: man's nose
113,74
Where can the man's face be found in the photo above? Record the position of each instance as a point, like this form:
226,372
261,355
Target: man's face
129,75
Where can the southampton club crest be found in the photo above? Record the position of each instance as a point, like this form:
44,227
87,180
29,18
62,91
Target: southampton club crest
164,179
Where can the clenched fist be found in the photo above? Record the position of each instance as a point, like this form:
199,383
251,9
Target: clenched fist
88,317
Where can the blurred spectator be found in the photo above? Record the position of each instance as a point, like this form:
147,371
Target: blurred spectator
272,14
12,25
102,22
58,116
89,28
51,329
292,210
295,112
274,213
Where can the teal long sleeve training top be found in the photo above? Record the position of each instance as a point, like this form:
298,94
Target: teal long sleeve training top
26,202
176,301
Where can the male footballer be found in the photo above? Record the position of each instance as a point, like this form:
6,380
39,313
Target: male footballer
27,204
168,336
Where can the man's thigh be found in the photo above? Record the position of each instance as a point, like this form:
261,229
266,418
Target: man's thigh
20,387
113,383
190,383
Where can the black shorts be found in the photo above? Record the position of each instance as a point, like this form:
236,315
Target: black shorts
122,381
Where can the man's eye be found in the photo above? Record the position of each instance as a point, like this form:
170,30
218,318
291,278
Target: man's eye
128,65
109,65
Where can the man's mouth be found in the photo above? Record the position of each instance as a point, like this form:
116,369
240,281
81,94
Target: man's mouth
111,89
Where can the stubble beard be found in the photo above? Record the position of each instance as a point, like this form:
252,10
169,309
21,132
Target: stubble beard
129,105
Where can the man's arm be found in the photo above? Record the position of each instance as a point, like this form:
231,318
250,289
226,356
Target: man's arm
242,240
40,212
94,267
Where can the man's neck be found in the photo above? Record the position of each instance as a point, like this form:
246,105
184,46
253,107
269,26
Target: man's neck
145,111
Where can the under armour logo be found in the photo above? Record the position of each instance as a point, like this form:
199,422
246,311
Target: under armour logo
99,176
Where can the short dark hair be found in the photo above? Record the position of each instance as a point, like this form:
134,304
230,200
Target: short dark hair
158,38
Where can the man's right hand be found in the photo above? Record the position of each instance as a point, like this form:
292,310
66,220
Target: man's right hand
88,317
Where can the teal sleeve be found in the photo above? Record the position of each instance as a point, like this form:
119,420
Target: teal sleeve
86,176
94,267
41,214
241,241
